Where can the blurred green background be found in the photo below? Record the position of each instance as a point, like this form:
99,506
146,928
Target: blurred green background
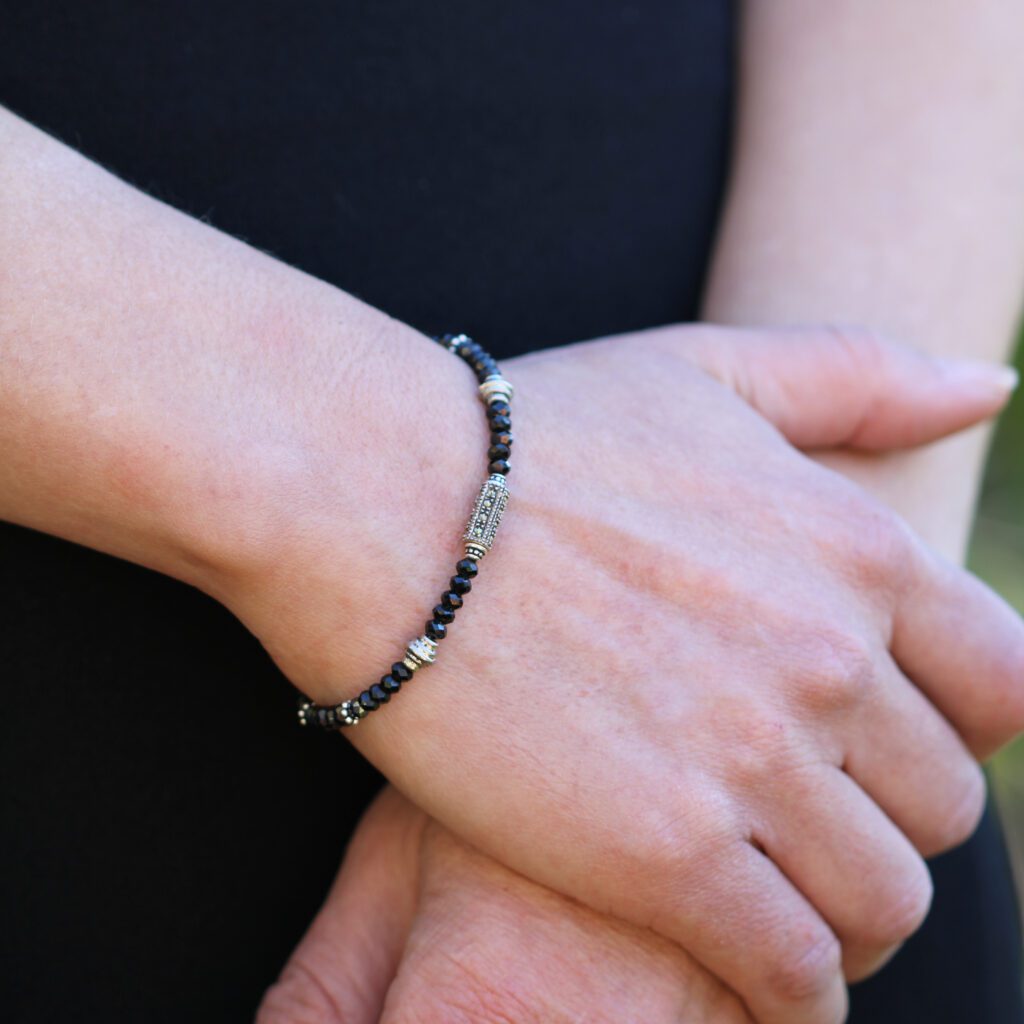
997,554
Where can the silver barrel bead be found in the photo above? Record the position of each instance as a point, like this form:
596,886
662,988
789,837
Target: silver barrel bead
486,516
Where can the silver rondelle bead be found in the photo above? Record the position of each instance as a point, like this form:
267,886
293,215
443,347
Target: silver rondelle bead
495,388
474,550
422,651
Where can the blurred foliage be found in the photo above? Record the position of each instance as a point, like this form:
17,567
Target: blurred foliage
997,554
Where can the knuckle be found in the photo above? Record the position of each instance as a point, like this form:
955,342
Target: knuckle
834,671
298,997
862,345
957,821
767,751
671,855
1008,685
877,547
865,541
459,993
807,971
905,909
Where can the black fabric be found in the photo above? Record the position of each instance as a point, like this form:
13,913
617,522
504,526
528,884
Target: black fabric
532,172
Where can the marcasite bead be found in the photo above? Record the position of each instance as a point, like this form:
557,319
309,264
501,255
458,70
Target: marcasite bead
442,614
496,393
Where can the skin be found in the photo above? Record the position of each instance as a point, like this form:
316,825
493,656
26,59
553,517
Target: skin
936,800
413,902
837,101
178,510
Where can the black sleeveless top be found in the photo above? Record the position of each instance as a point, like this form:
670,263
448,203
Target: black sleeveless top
530,172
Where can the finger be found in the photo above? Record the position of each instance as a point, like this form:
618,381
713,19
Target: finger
849,860
489,945
912,763
964,647
831,387
340,971
739,915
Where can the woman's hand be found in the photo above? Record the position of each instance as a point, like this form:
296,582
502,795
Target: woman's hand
680,693
421,928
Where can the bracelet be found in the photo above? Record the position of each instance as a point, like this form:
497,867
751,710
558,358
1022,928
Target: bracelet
495,393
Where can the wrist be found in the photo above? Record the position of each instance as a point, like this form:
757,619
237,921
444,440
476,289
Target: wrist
370,485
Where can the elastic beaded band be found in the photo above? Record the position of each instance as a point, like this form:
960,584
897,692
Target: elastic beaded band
496,394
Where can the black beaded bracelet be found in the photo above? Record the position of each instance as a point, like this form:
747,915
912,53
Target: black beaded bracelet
496,394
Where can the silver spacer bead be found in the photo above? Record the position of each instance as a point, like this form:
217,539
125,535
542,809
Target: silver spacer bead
474,550
422,651
456,342
495,388
347,713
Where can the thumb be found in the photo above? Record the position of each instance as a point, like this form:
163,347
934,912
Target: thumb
831,387
340,971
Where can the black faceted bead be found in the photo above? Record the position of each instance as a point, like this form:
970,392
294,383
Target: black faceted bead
321,717
379,694
499,466
499,408
461,585
451,600
498,451
389,684
367,701
401,671
502,437
442,614
436,630
467,567
499,423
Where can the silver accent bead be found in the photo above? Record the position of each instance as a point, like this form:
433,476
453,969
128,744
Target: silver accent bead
345,713
474,550
456,342
422,650
494,388
487,512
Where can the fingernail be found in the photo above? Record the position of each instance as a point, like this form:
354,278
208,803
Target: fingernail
1001,379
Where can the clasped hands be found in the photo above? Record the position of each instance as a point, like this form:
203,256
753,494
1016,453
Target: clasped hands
684,754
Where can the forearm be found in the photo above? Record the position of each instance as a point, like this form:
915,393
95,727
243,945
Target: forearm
879,180
166,390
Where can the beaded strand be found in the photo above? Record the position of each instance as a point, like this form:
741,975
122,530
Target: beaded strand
496,394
